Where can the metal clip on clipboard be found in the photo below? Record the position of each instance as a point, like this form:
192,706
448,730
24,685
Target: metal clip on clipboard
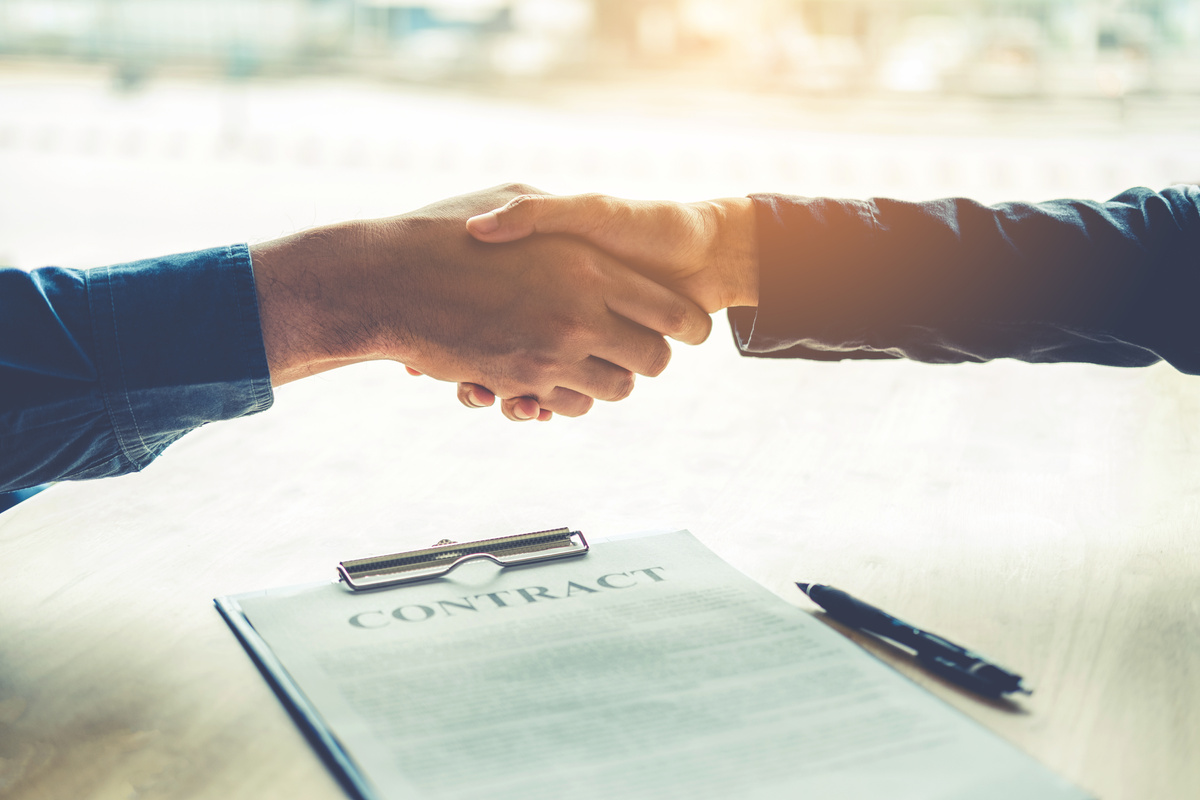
378,572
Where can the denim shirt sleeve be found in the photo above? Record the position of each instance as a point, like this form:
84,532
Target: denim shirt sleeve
101,369
1114,282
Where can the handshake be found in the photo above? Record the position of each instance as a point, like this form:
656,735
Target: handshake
545,302
550,303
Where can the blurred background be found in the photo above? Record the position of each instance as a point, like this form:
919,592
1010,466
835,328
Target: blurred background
129,127
981,48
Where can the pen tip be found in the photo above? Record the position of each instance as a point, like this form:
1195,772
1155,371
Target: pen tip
803,586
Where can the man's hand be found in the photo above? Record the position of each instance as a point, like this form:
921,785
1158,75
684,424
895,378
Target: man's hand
707,251
551,318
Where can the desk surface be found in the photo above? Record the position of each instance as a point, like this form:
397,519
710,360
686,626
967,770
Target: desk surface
1048,516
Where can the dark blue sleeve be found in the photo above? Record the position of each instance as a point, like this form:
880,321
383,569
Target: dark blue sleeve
101,369
953,280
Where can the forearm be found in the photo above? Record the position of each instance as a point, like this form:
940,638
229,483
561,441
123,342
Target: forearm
310,324
101,369
952,280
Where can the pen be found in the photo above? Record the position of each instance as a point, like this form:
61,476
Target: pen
952,662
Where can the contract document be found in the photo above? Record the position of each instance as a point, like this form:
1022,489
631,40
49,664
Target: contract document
648,668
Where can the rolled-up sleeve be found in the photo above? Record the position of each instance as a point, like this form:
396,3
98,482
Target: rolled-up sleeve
945,281
101,369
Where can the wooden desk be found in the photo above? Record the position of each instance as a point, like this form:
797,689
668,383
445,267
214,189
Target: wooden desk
1048,516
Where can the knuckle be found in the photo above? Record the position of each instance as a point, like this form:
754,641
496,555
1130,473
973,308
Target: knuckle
516,187
566,330
659,359
622,386
612,214
596,201
678,319
524,204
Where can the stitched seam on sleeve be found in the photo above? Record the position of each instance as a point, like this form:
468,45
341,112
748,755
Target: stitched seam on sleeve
252,329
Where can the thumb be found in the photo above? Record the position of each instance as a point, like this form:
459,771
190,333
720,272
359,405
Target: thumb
535,213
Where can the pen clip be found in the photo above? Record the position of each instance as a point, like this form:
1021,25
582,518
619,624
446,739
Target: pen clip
975,674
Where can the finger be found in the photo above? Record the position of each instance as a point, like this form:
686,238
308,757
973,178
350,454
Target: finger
661,236
566,402
644,233
520,409
653,306
531,213
630,346
560,400
472,395
592,378
412,371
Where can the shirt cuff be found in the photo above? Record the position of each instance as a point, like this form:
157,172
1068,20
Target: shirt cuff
786,323
178,344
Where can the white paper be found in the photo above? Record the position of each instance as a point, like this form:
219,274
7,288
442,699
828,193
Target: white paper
648,668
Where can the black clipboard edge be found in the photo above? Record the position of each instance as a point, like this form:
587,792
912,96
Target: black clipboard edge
302,712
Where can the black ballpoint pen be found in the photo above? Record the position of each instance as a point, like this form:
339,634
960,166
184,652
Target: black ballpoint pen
952,662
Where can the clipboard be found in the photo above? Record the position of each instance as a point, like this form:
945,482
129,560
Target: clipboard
650,668
375,573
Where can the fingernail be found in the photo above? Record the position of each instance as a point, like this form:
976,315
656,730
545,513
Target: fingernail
472,400
484,223
520,413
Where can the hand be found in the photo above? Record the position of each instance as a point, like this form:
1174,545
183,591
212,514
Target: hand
552,319
707,251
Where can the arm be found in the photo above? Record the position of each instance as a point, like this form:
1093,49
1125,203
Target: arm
950,281
941,281
101,369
